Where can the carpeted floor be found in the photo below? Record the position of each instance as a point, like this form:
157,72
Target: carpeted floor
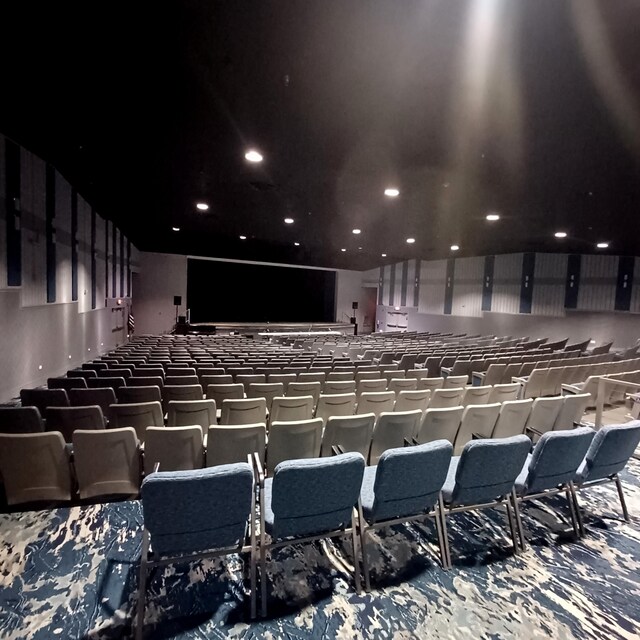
72,573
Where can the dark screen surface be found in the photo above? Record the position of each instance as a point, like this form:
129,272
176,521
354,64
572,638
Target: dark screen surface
220,291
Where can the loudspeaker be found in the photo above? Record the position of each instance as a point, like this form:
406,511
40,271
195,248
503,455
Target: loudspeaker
354,305
177,301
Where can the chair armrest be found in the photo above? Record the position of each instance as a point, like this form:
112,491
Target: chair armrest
257,468
337,449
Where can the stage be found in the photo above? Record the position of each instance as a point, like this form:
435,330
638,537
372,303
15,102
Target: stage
266,329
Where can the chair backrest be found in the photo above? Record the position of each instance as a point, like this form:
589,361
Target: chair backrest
218,378
107,462
513,418
180,392
494,374
372,386
476,395
352,433
410,400
572,410
291,409
440,424
293,440
247,378
609,451
179,381
476,419
175,449
113,382
178,506
185,413
391,431
430,383
544,413
487,469
229,444
556,458
453,382
408,480
138,415
222,392
266,390
334,387
244,411
67,419
366,375
43,398
376,402
313,376
145,381
445,398
535,384
402,384
130,395
284,378
67,383
104,397
503,392
34,467
305,389
342,404
337,376
20,420
313,496
553,381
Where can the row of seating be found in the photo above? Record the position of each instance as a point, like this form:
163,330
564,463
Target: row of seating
317,499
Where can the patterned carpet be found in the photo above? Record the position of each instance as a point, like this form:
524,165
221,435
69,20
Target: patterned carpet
72,573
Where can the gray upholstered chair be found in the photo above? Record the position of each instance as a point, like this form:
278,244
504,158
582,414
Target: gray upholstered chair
551,469
309,500
608,454
484,476
20,420
67,419
404,485
43,398
67,383
178,523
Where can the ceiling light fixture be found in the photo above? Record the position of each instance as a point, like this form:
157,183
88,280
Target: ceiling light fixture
202,206
297,244
492,217
391,192
411,240
175,228
560,234
343,250
602,245
253,156
384,255
243,237
288,220
455,247
356,232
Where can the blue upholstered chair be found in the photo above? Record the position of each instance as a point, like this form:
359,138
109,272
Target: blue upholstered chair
608,454
306,500
191,515
484,476
404,485
551,469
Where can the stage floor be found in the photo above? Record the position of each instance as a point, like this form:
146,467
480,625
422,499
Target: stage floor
72,573
255,328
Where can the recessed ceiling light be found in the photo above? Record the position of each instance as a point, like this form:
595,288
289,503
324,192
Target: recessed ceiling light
253,156
243,237
411,240
297,244
175,228
454,247
602,245
288,220
356,231
39,367
384,255
359,248
343,250
492,217
391,192
202,206
560,234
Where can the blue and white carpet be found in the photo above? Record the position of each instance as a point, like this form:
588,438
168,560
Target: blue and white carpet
72,573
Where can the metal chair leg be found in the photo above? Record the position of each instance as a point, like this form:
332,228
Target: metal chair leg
438,520
356,552
516,510
445,535
574,520
512,527
623,503
363,547
142,584
576,505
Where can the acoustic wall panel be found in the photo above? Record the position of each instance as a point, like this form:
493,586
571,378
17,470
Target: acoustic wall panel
101,263
386,283
572,283
634,307
433,276
33,229
381,286
4,231
415,278
448,288
62,236
13,212
396,301
487,282
507,282
550,283
598,275
74,245
84,256
624,283
404,283
467,289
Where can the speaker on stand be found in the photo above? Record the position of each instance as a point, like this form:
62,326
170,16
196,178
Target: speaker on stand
353,319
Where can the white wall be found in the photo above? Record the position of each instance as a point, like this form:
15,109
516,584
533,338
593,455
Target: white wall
161,276
348,290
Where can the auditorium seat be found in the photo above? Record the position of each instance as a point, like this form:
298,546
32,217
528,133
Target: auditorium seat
103,397
503,392
139,416
181,381
476,420
440,424
230,444
349,432
544,413
43,398
476,395
67,419
430,384
573,408
298,388
512,418
402,384
184,413
334,387
113,383
180,392
293,440
343,404
66,383
391,430
444,398
175,449
20,420
129,395
284,409
243,411
376,402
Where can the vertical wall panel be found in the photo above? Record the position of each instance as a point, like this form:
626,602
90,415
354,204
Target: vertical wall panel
3,215
527,282
467,289
572,284
84,255
448,290
62,233
114,260
74,245
129,268
635,289
416,283
101,263
392,285
381,286
404,283
123,270
13,159
487,282
624,283
507,275
550,275
433,275
50,230
598,275
32,223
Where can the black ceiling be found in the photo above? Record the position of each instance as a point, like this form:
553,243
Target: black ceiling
530,109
